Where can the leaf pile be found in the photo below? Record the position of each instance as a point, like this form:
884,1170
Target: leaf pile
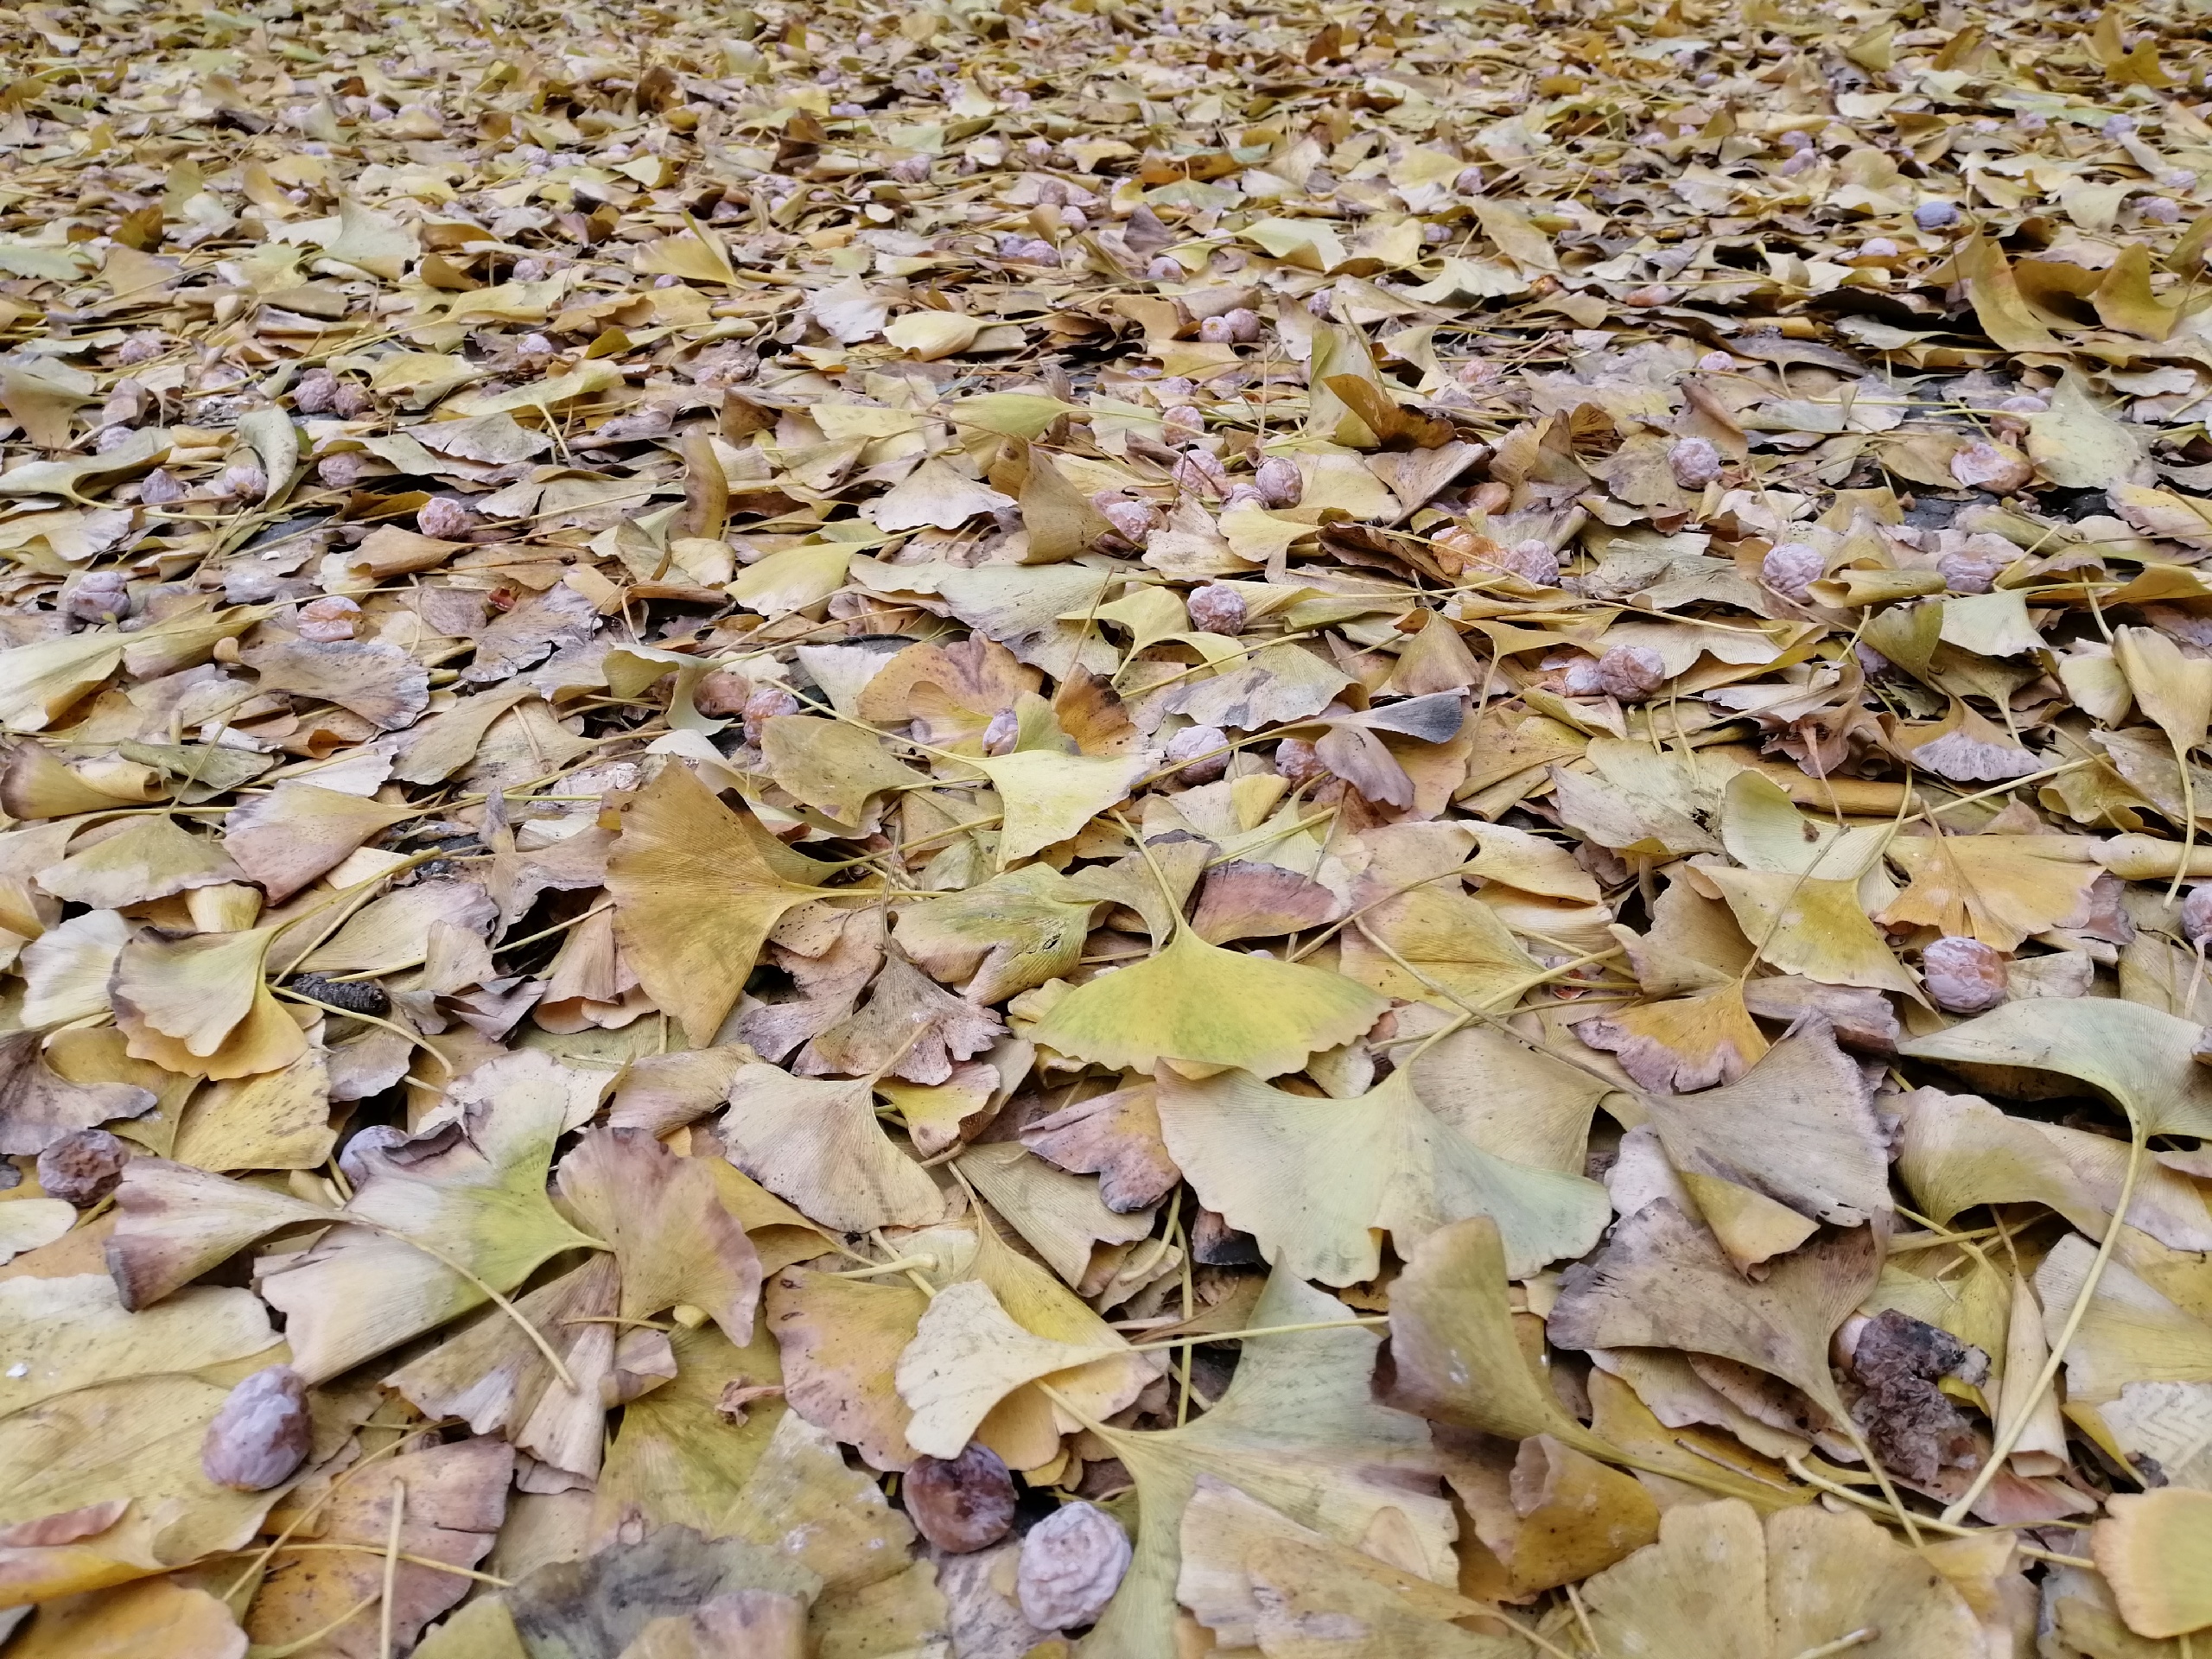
1044,825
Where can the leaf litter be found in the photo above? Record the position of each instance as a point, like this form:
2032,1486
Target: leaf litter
1110,828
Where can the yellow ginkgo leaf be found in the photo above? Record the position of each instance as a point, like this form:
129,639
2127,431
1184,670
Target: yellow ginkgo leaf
791,580
1318,1181
1721,1585
932,334
1686,1042
697,887
26,1224
697,255
818,1144
1259,1580
967,1355
2131,1331
372,241
1297,1430
1999,889
840,1340
278,1120
1453,948
2155,1549
200,1005
147,858
1025,1428
1046,796
1803,925
831,765
1200,1003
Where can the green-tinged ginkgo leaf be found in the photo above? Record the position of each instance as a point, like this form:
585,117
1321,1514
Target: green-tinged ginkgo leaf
1319,1181
39,682
2139,1056
1297,1430
1958,1151
134,1443
1197,1002
802,1501
1453,1355
1023,415
1010,933
479,1204
818,1144
685,1449
1046,796
59,1335
697,887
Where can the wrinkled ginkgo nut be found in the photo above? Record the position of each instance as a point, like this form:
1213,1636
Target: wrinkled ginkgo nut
1963,976
2196,915
260,1433
1791,568
1072,1563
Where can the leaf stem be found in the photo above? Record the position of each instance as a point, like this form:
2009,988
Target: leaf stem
390,1569
1259,1331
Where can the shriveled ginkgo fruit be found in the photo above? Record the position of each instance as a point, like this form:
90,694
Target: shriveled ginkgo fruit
961,1503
